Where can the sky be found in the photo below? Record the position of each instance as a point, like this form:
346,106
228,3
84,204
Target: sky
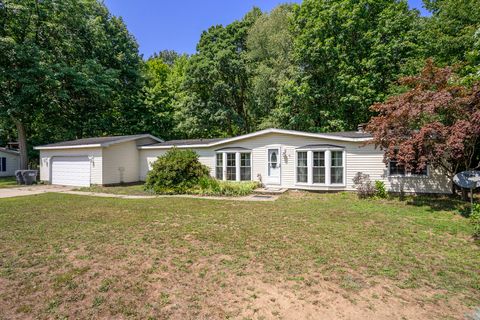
177,24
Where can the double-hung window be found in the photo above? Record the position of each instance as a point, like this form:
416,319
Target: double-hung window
245,167
336,168
318,167
231,166
302,166
3,164
219,166
234,164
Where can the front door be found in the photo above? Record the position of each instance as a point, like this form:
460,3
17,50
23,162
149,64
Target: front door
273,167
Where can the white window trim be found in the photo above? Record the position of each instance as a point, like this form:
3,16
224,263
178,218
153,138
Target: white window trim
296,169
215,166
408,174
328,164
325,166
239,176
237,164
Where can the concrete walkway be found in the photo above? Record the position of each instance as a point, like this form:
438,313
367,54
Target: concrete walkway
39,189
31,190
123,196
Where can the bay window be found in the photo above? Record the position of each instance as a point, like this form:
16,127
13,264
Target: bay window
245,167
219,166
231,166
302,167
320,165
336,169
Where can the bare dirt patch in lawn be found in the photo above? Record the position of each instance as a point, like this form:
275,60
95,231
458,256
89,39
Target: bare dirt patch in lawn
331,257
215,287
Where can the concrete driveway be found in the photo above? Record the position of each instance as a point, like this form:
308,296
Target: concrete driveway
31,190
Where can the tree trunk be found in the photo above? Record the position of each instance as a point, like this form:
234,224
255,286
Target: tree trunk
22,143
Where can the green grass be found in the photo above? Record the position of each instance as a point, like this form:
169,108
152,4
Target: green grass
7,182
78,256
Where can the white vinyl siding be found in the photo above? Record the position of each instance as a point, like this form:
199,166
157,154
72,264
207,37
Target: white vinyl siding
121,163
93,154
12,162
358,157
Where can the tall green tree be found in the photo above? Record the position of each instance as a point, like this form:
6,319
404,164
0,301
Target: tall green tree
270,48
164,74
68,69
350,52
452,35
217,84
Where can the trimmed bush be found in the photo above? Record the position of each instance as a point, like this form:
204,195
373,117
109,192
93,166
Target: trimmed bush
380,190
364,186
176,172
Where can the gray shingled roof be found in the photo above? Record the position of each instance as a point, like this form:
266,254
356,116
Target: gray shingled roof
9,151
188,142
349,134
321,145
95,141
344,134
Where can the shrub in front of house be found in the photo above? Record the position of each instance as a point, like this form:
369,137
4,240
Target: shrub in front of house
180,172
363,185
380,189
176,172
213,187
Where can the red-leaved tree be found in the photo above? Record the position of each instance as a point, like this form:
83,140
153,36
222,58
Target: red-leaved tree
435,122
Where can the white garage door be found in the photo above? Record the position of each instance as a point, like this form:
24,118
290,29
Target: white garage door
71,171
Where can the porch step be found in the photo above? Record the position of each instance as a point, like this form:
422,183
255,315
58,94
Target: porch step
270,190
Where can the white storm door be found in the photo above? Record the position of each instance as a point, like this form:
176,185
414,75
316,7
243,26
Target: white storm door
273,166
71,171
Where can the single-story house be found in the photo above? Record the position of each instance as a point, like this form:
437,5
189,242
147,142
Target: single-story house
275,157
9,162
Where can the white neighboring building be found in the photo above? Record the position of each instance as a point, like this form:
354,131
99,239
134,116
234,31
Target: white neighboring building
277,158
9,162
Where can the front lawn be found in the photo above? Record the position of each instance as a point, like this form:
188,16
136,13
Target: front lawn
302,256
8,182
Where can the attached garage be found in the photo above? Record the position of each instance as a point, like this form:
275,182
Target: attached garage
93,161
71,171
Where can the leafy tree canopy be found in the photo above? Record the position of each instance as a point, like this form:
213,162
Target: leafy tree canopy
68,69
436,122
350,52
